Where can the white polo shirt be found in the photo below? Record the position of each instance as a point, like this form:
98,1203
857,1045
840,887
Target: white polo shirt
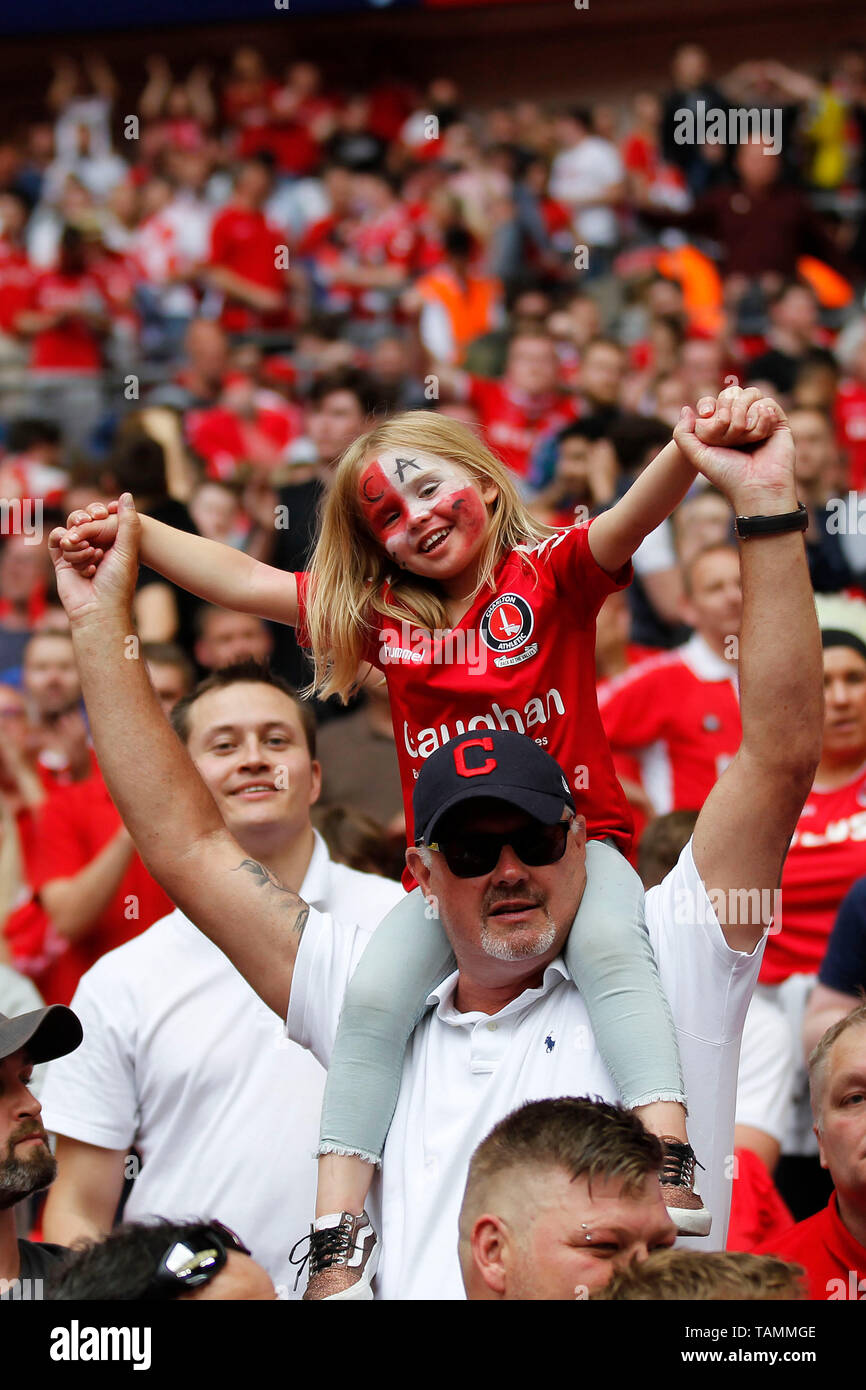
465,1072
183,1060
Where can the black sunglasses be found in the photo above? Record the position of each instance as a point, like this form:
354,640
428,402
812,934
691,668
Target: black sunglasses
470,856
193,1261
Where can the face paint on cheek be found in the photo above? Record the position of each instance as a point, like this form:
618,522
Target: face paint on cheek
467,511
379,499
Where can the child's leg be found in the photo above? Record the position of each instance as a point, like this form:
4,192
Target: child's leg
408,955
611,961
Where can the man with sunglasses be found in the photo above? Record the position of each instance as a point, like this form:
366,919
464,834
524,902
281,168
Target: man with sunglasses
160,1260
508,1025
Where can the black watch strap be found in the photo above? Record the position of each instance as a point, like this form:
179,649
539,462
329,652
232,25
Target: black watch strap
749,526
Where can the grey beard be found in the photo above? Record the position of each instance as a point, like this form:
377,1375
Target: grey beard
19,1178
500,948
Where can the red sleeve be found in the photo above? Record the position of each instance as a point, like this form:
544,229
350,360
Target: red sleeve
632,709
576,574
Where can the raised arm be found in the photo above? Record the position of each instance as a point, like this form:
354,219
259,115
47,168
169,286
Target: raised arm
166,806
746,823
215,572
617,533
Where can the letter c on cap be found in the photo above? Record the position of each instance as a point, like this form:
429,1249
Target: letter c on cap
460,757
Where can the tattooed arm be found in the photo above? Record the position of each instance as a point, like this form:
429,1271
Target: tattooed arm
170,813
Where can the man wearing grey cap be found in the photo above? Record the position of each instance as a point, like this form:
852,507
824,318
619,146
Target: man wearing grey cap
27,1164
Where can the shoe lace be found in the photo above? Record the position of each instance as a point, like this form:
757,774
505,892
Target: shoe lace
324,1249
678,1167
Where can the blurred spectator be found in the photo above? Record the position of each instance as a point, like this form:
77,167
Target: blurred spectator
23,581
49,680
679,712
794,330
225,638
216,512
700,164
842,976
359,760
832,560
360,842
527,403
588,176
455,303
171,672
584,476
248,261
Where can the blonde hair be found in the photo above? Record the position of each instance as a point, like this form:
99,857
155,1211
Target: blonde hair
705,1275
353,580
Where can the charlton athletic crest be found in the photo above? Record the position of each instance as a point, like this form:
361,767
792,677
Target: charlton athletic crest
506,626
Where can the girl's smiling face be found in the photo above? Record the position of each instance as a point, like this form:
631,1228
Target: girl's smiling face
426,512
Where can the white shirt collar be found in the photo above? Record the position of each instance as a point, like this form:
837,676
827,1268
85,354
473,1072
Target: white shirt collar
442,998
706,664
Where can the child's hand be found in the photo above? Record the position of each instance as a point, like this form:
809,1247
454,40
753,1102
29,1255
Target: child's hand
88,533
733,419
753,479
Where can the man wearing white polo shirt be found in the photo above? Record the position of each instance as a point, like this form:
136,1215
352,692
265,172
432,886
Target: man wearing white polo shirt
182,1062
508,1026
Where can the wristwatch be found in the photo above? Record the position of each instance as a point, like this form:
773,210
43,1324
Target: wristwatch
748,526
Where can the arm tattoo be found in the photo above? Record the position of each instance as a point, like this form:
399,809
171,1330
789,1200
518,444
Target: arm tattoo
266,879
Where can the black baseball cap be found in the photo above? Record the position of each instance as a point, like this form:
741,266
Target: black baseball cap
496,764
46,1033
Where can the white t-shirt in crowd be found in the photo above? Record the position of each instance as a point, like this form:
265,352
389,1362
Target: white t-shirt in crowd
465,1072
587,170
183,1061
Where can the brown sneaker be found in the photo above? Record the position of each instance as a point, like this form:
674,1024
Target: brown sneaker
343,1254
677,1178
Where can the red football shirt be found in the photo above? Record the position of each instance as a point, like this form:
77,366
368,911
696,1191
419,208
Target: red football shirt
72,344
74,824
245,242
679,714
850,416
513,425
827,853
835,1263
522,658
16,278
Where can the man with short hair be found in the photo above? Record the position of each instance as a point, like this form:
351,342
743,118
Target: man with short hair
501,858
559,1195
183,1063
26,1162
831,1245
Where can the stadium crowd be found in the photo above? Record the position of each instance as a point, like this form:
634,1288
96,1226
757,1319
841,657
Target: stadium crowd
207,294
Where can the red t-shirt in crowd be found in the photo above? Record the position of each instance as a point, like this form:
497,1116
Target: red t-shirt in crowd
71,345
827,853
224,440
522,658
74,825
513,423
245,242
834,1261
850,415
16,279
679,713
